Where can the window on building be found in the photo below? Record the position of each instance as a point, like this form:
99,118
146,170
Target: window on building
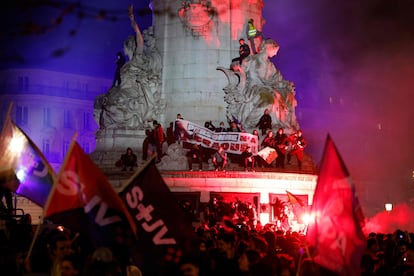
46,147
21,115
66,119
46,117
65,148
23,83
86,120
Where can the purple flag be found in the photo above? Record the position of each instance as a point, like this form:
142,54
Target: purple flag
20,155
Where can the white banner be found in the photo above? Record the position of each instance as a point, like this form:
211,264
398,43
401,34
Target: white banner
232,142
268,154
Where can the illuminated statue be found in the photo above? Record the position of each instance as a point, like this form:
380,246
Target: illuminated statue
257,86
175,158
138,99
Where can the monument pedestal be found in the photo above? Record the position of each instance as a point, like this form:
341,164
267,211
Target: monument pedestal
260,188
112,143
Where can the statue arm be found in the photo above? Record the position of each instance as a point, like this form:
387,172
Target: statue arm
134,25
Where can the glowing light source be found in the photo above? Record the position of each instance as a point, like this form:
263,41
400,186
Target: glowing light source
307,218
17,144
21,175
388,207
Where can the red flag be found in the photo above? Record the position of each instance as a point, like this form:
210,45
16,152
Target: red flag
82,199
298,206
294,199
164,232
336,231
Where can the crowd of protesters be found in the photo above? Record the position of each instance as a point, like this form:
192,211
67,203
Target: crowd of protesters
221,246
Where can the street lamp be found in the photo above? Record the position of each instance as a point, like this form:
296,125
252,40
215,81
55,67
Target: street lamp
388,207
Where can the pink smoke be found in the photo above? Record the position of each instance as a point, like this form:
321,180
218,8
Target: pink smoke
401,217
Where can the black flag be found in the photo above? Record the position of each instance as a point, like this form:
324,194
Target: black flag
164,232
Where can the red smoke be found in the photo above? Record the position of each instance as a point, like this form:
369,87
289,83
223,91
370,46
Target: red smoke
401,217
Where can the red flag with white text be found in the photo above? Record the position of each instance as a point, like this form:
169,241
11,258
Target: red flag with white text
83,200
336,230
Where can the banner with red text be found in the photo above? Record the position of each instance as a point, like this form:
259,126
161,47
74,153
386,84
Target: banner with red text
232,142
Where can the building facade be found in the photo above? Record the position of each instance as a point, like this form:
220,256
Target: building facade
50,107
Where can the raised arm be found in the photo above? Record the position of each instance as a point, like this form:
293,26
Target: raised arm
134,25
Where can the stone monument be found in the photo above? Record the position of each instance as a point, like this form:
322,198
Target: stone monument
172,69
257,85
126,110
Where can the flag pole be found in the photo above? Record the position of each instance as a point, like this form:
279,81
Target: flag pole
8,118
48,200
36,234
52,191
6,122
139,171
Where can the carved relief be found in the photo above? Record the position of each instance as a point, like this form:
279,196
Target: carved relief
197,17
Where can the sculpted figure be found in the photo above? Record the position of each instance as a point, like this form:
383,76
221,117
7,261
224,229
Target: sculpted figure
175,159
257,86
138,99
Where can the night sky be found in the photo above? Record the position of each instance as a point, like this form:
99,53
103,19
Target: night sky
352,63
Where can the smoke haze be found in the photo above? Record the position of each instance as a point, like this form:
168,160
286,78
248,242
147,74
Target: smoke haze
353,65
